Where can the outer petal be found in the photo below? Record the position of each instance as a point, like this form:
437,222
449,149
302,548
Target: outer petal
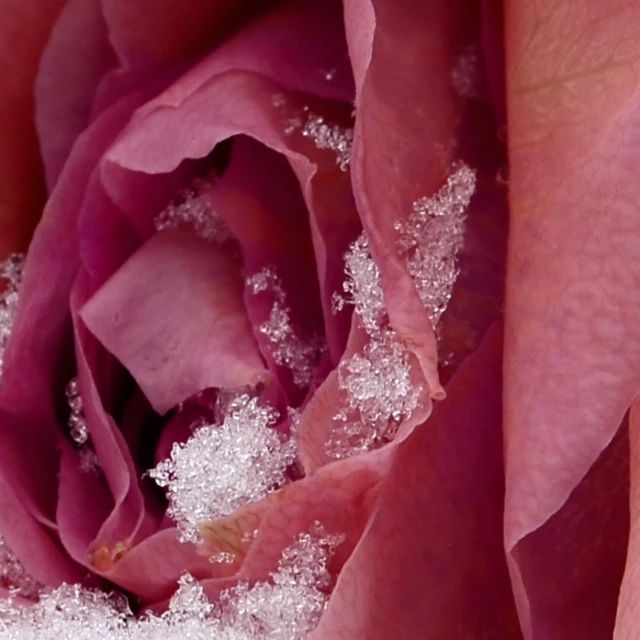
628,616
174,316
76,57
36,359
572,355
156,33
23,32
430,563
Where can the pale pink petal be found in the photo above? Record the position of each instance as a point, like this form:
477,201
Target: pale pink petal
572,354
174,316
75,59
431,564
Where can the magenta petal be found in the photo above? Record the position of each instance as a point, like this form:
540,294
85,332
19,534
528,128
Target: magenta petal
43,557
36,364
174,316
76,57
572,565
98,523
157,33
627,626
431,563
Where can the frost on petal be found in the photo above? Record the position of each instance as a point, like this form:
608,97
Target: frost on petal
10,278
13,575
432,237
224,467
325,136
378,384
193,209
287,606
285,346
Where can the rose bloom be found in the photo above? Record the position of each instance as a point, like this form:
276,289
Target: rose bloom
328,327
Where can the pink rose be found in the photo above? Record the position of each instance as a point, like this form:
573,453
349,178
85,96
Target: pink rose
217,211
256,348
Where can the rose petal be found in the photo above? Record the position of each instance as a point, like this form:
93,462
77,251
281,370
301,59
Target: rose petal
572,355
160,33
259,198
151,569
24,30
572,565
76,57
174,316
404,137
43,558
296,45
97,527
431,563
627,623
36,364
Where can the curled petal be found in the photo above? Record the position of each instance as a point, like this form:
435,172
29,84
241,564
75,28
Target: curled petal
572,345
174,316
430,563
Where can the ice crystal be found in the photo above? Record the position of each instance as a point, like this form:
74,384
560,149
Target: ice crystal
193,209
432,236
377,382
362,286
286,348
332,137
286,607
10,279
13,576
222,468
326,137
380,395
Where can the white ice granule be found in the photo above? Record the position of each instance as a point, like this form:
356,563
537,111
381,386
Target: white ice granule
285,346
431,238
193,209
10,279
224,467
286,607
332,137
